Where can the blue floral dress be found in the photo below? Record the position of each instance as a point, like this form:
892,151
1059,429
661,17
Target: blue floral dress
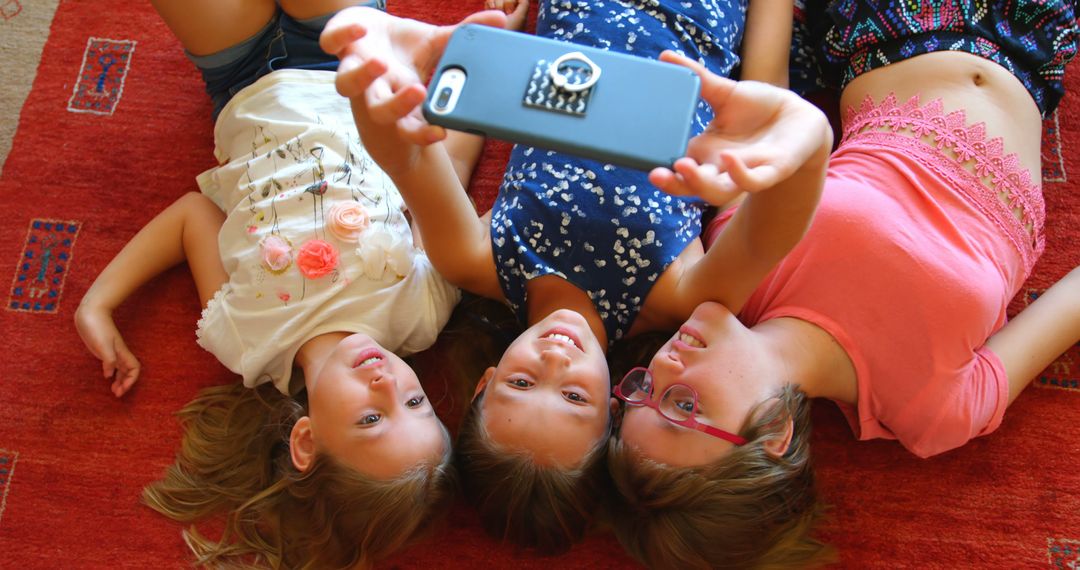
603,228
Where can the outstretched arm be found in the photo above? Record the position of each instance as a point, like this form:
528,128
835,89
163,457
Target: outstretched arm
384,60
186,230
766,43
770,144
1040,333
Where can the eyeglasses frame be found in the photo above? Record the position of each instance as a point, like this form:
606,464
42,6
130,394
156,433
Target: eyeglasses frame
689,422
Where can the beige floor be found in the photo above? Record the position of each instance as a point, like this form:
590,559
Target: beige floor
24,27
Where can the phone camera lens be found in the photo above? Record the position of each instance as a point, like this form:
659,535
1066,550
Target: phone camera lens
443,98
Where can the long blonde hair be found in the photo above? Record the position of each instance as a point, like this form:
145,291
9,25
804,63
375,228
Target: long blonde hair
749,509
234,460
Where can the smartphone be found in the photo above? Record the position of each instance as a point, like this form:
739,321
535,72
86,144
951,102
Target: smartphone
616,108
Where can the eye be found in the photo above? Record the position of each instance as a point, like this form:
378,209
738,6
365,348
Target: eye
414,402
520,383
575,397
370,419
686,405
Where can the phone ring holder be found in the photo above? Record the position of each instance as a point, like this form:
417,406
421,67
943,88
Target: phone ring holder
562,79
562,86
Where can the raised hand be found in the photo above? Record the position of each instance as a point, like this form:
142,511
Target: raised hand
385,61
102,338
760,135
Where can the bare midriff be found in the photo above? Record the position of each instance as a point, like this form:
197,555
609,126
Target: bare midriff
986,92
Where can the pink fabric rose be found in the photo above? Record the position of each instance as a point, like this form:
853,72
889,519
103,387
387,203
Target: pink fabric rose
276,253
316,258
347,220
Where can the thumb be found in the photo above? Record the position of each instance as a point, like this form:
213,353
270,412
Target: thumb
715,89
108,367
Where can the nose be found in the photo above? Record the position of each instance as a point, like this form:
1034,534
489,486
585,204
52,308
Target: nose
384,380
669,362
554,358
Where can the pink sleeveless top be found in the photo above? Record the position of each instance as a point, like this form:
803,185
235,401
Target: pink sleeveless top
909,264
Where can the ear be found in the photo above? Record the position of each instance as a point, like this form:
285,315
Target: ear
779,446
488,374
302,444
616,414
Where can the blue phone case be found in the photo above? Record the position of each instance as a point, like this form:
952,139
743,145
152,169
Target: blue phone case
612,107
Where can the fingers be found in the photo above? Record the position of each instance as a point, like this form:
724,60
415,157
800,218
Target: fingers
419,131
751,179
343,29
508,7
504,6
689,178
403,110
363,82
108,366
715,89
124,382
493,18
118,364
355,75
520,10
386,110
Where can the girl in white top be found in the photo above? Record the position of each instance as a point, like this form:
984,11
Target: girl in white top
303,256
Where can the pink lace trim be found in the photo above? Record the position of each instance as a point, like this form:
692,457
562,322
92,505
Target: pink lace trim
1003,187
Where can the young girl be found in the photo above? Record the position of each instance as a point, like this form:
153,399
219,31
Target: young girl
893,305
585,253
303,257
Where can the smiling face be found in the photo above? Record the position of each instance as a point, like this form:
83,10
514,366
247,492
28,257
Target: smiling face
367,409
728,366
550,393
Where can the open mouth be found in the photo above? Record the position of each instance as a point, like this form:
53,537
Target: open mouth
690,337
564,336
369,357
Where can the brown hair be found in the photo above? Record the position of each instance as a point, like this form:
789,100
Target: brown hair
749,509
234,459
546,507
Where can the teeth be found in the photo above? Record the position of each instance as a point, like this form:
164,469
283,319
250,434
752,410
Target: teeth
562,338
371,360
691,340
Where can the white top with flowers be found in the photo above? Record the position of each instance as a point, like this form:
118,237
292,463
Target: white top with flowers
315,239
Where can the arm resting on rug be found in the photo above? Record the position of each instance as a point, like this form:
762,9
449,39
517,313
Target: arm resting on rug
1040,333
186,230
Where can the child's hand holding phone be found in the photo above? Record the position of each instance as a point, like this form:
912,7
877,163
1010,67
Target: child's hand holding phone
760,135
385,61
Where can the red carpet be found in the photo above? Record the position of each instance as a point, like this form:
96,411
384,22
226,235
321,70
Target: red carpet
80,181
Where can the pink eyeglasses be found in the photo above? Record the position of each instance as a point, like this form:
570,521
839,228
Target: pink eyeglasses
678,404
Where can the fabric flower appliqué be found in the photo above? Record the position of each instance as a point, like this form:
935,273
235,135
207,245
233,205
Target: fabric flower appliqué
382,250
347,220
276,254
316,258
